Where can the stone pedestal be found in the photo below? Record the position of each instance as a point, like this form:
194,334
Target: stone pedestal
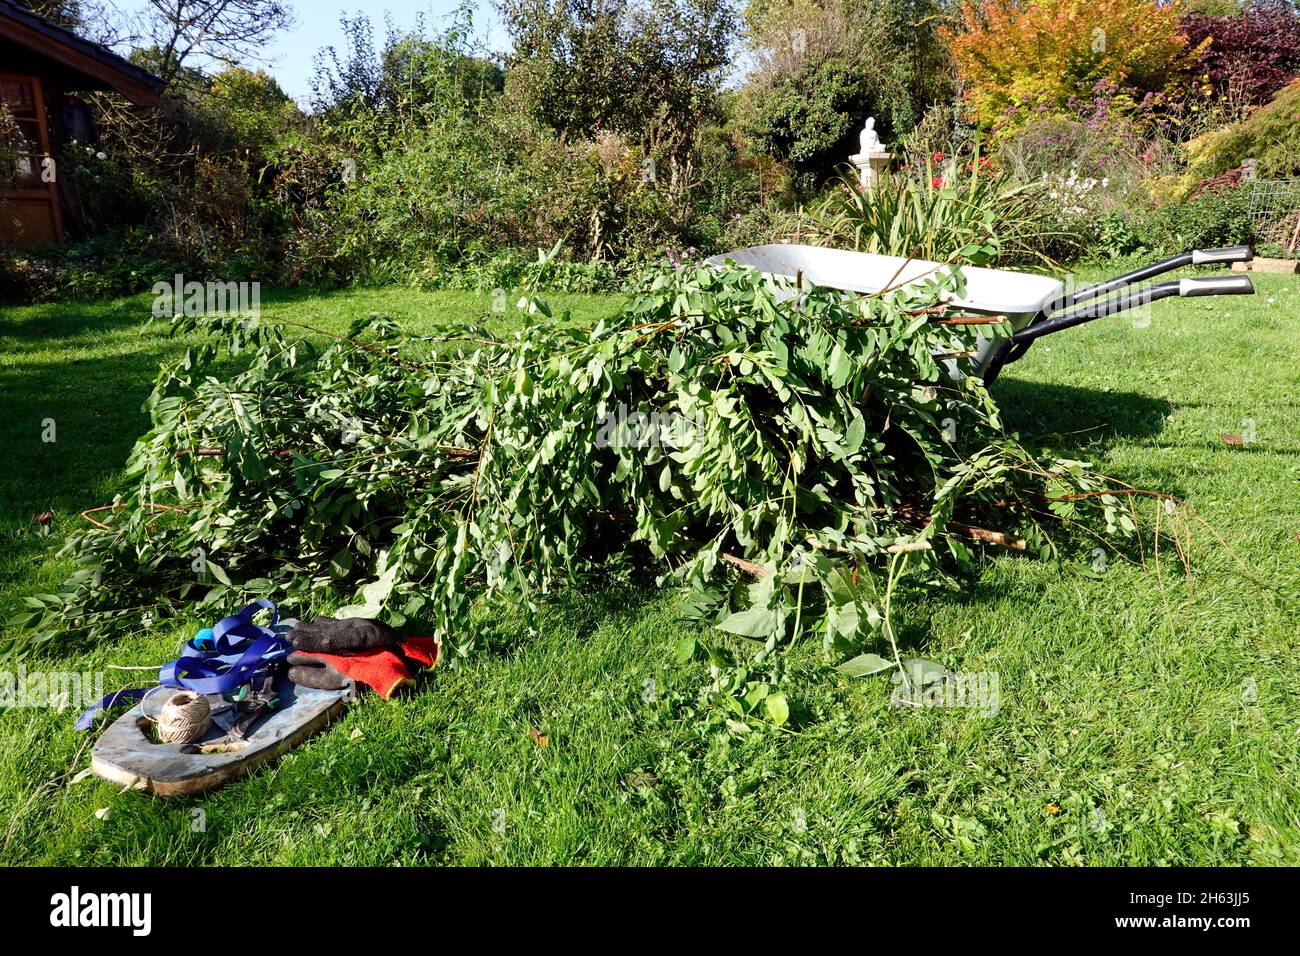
870,165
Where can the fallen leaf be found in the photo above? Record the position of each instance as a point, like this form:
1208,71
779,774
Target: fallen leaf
539,738
45,517
1052,808
356,735
1230,439
640,778
80,776
101,813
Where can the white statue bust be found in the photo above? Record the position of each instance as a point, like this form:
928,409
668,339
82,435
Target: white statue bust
872,158
868,141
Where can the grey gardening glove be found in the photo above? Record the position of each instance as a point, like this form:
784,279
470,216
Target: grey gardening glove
326,635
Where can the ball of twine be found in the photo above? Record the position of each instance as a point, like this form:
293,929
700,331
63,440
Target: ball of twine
185,717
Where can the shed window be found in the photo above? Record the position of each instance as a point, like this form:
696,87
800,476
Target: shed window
24,132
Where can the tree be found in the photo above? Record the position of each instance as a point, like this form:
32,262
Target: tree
249,109
1020,55
66,13
96,20
648,70
823,66
221,31
413,70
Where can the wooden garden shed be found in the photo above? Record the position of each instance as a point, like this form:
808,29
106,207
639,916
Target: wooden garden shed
42,67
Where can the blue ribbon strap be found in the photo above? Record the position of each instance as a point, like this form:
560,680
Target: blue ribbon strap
232,653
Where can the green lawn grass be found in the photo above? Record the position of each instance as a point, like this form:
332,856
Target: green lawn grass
1136,724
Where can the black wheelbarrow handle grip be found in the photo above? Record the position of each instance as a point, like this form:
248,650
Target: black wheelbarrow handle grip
1218,285
1195,257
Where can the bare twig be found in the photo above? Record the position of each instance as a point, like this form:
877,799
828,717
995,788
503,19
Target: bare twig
970,320
118,507
752,567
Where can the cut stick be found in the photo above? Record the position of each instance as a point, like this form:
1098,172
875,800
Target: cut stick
757,570
969,530
219,452
984,534
970,320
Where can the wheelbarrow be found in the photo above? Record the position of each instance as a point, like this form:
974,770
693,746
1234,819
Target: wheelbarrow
1035,305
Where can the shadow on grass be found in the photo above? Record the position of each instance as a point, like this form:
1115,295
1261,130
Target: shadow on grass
93,396
69,425
49,323
573,609
1072,418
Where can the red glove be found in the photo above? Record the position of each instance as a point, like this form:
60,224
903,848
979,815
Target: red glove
384,669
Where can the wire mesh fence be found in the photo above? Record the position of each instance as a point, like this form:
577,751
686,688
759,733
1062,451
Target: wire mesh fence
1275,211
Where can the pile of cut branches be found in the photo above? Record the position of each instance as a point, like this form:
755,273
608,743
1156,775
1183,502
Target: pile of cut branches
778,452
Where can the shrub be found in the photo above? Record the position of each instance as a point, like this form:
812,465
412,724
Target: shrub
450,188
763,224
1216,218
1209,220
1098,160
1016,56
944,129
453,193
1253,51
517,268
740,195
1101,136
1270,135
123,263
1115,236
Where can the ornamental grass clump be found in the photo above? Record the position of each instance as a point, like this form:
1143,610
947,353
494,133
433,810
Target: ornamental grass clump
781,454
951,209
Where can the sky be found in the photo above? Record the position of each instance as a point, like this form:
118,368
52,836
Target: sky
291,57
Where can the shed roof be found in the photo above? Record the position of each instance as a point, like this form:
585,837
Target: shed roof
78,62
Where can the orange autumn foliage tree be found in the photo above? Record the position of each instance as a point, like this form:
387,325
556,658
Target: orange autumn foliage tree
1019,55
